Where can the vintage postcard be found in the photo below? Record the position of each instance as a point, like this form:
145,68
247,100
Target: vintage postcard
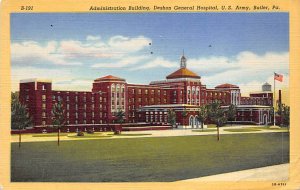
149,94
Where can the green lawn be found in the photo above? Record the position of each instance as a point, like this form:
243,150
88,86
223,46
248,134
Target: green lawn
145,159
211,126
268,128
242,130
49,135
204,130
141,134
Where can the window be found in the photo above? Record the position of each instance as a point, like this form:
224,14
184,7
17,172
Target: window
68,106
146,91
165,92
76,98
84,99
68,98
152,91
43,123
43,114
76,115
27,97
43,87
44,97
132,91
44,106
68,114
140,91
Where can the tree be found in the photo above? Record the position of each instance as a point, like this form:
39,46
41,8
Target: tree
231,113
120,118
272,113
279,112
285,115
184,115
172,117
20,118
58,118
217,115
202,114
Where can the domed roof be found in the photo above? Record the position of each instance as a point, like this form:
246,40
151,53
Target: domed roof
226,85
183,73
108,78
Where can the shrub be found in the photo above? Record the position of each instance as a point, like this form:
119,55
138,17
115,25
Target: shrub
90,131
80,133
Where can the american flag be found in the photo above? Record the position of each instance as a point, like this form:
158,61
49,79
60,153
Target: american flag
278,77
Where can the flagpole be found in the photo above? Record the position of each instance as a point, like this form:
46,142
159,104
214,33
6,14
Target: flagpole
274,99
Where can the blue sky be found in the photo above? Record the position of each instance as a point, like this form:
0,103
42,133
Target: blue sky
73,49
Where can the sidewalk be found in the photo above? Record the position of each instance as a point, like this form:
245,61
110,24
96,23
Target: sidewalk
269,173
149,133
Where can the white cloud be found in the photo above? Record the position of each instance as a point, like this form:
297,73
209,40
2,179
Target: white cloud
92,38
248,67
157,62
125,44
68,52
255,85
20,73
31,52
124,62
73,85
211,64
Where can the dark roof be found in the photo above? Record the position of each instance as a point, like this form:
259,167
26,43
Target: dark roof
109,77
183,73
226,85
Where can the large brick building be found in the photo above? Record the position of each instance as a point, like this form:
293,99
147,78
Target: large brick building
182,90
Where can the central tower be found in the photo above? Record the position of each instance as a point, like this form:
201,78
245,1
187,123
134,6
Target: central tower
182,61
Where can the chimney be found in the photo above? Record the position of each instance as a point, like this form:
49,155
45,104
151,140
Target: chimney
279,97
